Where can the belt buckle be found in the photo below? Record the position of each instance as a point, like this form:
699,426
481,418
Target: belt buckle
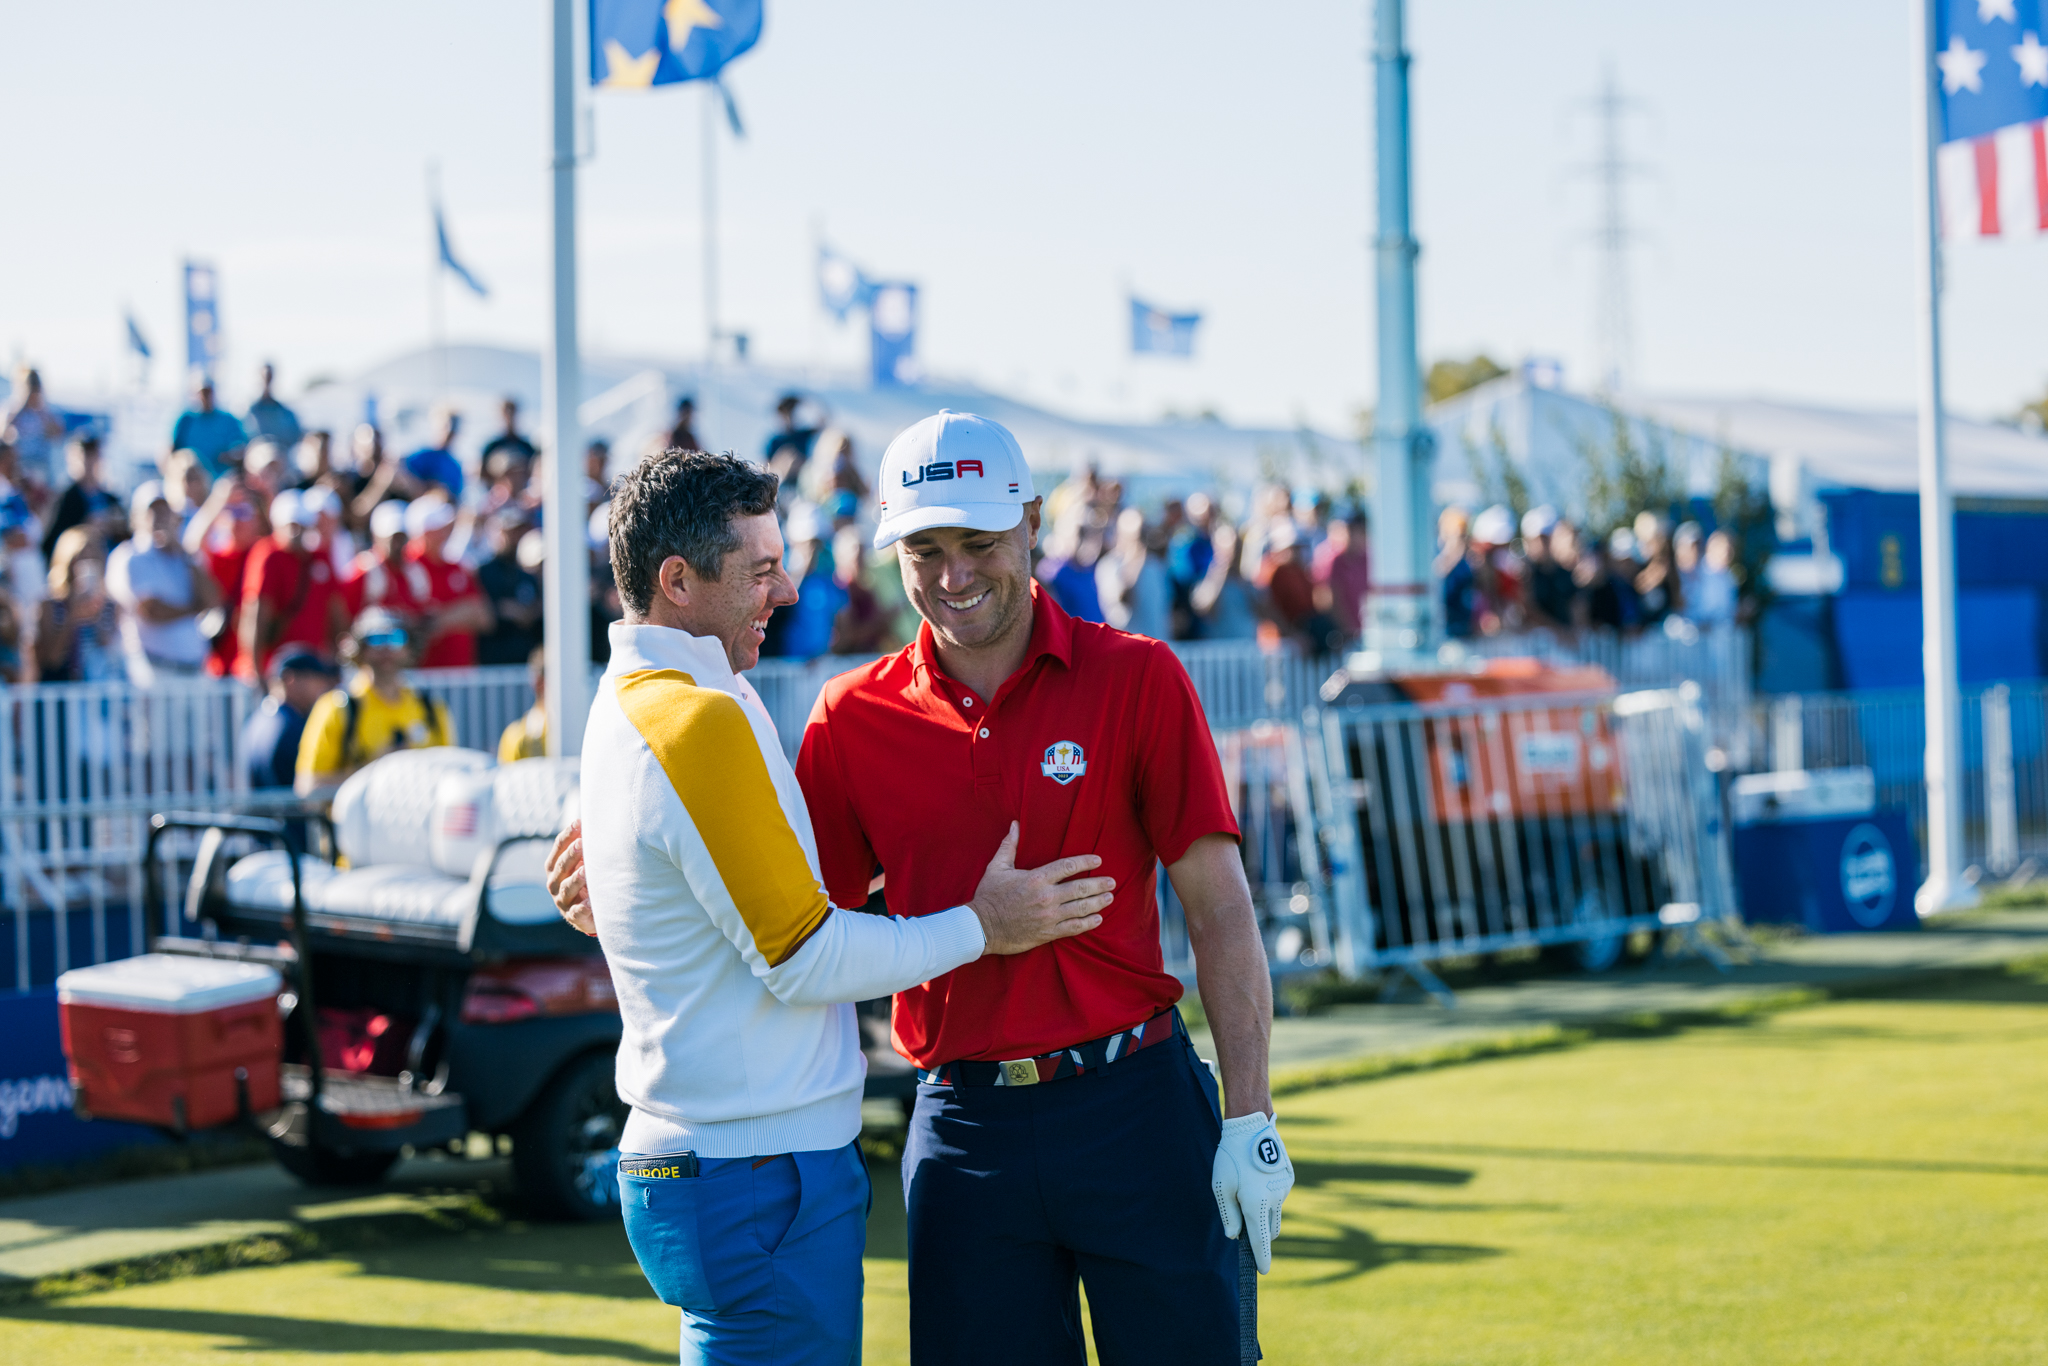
1020,1071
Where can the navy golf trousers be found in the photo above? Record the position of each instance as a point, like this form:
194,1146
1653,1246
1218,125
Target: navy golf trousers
1016,1194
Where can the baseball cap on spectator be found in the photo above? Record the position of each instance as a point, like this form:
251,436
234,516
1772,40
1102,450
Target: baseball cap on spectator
952,469
147,495
427,514
303,662
288,509
378,626
387,519
1539,521
1495,526
532,552
319,498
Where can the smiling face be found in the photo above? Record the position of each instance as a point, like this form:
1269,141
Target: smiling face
735,606
974,587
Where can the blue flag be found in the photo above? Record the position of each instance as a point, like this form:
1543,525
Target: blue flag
202,319
448,260
842,285
136,342
1154,331
892,336
635,44
1992,65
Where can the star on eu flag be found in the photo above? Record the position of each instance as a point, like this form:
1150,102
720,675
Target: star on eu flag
686,15
624,71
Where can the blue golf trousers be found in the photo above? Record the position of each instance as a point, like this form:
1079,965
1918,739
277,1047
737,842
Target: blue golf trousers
762,1255
1018,1194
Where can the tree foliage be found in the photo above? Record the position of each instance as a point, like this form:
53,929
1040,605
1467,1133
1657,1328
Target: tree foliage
1449,377
1632,472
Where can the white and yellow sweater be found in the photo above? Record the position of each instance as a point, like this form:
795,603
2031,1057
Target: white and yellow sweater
732,967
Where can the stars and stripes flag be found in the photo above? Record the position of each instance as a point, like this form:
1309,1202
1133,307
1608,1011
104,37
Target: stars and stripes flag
1993,163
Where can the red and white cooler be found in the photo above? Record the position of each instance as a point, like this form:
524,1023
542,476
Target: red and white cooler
170,1040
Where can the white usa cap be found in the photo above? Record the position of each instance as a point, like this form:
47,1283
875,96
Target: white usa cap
952,469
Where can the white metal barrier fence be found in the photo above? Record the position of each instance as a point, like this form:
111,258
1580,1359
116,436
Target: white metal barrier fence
2005,759
1543,820
83,765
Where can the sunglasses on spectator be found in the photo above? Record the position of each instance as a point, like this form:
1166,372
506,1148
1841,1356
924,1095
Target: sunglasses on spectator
384,640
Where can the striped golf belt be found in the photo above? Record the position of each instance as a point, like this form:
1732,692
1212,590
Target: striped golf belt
1091,1056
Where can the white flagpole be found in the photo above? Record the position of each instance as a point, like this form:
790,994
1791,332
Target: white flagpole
707,397
565,575
437,300
1945,889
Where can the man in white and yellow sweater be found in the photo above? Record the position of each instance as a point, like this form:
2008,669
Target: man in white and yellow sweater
744,1191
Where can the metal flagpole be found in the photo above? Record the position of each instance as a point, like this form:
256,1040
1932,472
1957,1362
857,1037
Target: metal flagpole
437,299
1945,889
565,575
1399,608
708,404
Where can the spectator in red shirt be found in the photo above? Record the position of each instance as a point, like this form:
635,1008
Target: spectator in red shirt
454,610
290,594
222,531
382,576
1008,709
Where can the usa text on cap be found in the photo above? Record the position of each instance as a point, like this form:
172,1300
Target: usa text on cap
952,469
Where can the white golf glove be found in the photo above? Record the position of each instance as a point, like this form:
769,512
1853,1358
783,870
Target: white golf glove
1251,1177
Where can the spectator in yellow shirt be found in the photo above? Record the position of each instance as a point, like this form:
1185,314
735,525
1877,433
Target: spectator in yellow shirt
376,714
527,738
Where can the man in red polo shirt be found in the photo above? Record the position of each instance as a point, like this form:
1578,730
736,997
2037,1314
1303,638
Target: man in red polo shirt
455,609
290,596
1065,1133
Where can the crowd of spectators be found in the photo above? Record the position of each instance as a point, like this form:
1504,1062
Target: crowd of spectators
263,549
273,553
1293,569
1497,577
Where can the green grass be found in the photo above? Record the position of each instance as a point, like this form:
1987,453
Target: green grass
1855,1181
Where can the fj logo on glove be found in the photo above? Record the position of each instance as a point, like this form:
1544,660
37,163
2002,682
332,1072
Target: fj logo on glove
1269,1151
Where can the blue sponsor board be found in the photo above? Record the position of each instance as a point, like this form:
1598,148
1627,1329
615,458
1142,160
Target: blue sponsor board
37,1127
1834,874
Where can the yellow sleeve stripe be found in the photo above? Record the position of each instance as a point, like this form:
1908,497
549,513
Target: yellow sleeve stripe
705,745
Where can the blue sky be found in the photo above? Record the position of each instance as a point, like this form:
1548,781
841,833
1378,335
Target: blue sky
1022,163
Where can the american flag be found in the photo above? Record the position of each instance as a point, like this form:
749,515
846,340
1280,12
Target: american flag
1993,164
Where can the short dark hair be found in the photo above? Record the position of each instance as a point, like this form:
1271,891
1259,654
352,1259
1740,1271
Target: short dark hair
681,503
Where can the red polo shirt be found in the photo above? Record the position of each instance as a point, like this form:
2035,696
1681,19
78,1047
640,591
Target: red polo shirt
446,583
1097,745
273,576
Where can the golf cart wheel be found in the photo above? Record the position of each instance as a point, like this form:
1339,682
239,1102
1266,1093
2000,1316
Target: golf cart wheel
326,1167
565,1148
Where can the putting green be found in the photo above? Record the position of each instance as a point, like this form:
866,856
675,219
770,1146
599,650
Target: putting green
1859,1183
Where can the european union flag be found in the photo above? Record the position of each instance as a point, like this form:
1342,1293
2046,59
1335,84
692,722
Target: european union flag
1155,331
635,44
1993,65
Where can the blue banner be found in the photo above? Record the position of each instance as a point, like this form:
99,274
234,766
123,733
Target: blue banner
1992,64
36,1124
635,44
892,336
448,261
842,285
202,319
1154,331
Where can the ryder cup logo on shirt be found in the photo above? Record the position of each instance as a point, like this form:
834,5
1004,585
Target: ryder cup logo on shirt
1063,762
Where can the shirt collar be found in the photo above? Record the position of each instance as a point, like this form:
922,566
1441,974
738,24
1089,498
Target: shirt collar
647,646
1052,633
